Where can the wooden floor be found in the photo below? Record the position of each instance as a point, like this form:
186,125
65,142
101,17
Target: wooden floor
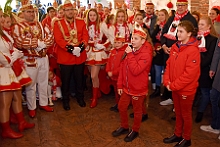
86,127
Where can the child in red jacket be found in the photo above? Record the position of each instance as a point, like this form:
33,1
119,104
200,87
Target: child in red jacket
133,82
181,77
113,65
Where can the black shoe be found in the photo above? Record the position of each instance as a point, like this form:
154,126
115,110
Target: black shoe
131,136
131,115
172,139
144,117
66,106
156,93
114,108
173,117
199,117
81,102
119,132
183,143
164,96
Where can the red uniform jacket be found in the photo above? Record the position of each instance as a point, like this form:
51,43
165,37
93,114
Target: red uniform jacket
47,21
134,70
183,67
114,60
63,57
51,51
131,19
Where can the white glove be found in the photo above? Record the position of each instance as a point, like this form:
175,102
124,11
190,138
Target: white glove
41,45
76,51
99,46
16,55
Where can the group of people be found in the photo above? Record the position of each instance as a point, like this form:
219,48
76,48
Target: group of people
181,47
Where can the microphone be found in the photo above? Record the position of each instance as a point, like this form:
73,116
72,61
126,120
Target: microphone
125,54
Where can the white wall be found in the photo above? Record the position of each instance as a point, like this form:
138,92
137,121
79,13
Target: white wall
213,3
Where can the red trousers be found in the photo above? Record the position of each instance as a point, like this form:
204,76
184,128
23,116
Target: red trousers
145,105
137,102
183,110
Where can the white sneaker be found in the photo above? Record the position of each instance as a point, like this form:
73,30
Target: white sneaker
24,102
166,102
209,129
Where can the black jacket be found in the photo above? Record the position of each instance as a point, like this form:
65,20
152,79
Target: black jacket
159,58
170,42
206,58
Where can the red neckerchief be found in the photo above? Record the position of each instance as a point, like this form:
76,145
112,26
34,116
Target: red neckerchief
147,20
171,34
201,40
108,25
204,33
161,25
8,30
148,16
180,16
101,15
127,33
213,21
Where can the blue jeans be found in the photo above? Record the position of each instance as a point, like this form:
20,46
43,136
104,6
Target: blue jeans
215,98
205,99
158,73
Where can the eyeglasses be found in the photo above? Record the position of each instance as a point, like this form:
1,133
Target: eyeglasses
180,5
30,11
68,9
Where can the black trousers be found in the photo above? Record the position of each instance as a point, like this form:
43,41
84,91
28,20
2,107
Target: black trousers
77,73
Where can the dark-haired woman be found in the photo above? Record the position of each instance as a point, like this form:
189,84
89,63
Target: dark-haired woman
213,14
181,77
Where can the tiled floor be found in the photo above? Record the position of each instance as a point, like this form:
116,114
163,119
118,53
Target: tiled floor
86,127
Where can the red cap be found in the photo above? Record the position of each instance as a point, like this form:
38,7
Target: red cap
119,37
67,3
138,30
26,4
182,2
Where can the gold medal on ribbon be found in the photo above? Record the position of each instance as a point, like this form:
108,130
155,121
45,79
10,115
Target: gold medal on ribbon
73,32
35,32
75,40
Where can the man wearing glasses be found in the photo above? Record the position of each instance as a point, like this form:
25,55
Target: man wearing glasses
34,39
71,37
168,37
